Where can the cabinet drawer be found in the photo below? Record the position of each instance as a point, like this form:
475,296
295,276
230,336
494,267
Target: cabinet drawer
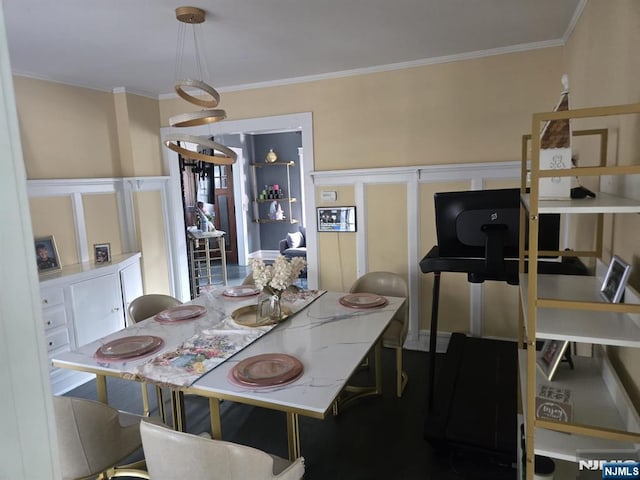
51,296
57,339
54,317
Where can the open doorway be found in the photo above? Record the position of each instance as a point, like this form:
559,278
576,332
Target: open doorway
245,224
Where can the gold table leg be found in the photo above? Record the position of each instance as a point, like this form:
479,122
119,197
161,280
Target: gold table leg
216,423
101,387
177,410
293,435
362,392
161,410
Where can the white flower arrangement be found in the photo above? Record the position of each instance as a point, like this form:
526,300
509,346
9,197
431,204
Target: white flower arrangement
279,276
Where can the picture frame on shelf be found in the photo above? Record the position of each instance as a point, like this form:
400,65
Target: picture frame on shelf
101,253
47,258
615,280
336,219
550,356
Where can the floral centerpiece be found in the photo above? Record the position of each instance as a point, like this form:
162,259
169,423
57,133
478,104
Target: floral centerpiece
273,280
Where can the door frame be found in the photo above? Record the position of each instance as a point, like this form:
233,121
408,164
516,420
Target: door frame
302,122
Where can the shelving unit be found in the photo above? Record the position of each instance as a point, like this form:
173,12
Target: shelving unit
261,205
570,308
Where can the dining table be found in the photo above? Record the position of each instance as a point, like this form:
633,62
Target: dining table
212,347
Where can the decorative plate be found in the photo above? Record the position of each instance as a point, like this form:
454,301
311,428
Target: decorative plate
248,316
129,347
363,300
180,313
241,291
268,369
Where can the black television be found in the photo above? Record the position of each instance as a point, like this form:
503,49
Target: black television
486,224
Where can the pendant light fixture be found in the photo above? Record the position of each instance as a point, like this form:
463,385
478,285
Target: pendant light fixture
207,150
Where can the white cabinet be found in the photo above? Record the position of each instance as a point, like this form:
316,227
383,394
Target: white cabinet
570,308
97,308
84,302
131,282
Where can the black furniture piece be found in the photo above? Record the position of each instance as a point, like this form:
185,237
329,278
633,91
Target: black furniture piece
479,376
475,409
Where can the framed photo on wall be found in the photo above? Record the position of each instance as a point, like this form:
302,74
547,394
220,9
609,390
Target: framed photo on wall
615,280
336,219
46,254
102,253
550,356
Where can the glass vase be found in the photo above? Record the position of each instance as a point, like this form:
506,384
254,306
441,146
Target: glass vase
269,306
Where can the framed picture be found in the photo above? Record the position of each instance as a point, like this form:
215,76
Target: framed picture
615,280
336,219
550,356
102,253
46,254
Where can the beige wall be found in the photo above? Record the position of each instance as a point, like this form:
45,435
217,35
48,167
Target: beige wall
66,132
603,62
336,251
101,219
71,132
468,111
61,225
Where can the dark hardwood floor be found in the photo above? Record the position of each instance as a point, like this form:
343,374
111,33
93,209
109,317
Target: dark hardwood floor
377,438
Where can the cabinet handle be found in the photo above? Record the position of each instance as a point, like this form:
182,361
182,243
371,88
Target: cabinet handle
49,322
51,344
45,301
115,309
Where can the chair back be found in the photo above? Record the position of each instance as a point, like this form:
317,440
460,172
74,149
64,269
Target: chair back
388,284
148,305
170,454
91,438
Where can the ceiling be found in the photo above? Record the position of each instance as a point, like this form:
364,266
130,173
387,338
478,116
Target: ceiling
131,44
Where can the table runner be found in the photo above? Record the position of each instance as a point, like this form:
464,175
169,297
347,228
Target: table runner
212,344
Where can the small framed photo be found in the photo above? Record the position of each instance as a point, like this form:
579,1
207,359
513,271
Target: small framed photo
47,254
336,219
615,280
550,356
102,253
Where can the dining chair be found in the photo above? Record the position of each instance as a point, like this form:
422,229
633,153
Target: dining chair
140,309
94,438
171,454
393,285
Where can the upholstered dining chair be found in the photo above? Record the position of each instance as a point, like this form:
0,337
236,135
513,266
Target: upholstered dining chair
140,309
393,285
93,438
170,454
150,304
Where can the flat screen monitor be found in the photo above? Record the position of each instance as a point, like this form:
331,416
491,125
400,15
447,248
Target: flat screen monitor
486,224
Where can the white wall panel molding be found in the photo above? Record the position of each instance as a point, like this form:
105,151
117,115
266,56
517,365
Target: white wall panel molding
425,173
476,174
124,189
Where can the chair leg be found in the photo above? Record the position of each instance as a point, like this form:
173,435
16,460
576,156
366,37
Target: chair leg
145,399
401,376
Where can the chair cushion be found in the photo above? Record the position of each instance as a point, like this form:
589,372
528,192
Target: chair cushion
296,252
295,239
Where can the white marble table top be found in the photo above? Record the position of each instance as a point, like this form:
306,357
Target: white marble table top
328,338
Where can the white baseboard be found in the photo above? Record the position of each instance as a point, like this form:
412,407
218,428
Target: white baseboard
265,254
421,343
